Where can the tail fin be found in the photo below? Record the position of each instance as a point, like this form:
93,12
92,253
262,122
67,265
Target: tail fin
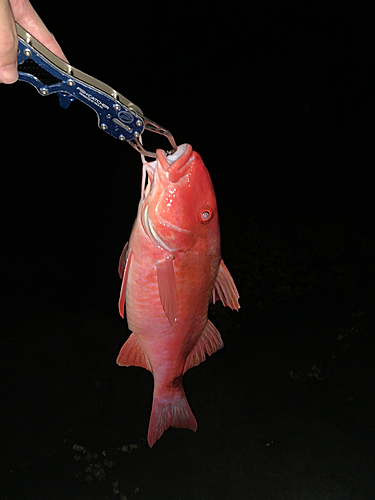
171,412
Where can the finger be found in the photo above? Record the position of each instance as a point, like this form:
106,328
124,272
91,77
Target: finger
27,17
8,44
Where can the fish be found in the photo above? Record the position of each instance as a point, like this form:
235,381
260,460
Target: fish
171,269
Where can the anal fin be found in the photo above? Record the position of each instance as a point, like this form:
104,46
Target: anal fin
209,342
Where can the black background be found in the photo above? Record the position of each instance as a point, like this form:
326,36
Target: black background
277,100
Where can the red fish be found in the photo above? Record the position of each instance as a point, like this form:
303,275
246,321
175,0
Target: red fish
171,269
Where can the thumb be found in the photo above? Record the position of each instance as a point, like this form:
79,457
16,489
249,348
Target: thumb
8,44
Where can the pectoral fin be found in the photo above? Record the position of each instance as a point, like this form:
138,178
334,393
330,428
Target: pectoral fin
167,287
225,289
122,260
123,269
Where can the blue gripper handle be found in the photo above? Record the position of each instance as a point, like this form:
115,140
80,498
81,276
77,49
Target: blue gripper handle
49,74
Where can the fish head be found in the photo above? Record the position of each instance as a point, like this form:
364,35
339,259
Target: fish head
179,209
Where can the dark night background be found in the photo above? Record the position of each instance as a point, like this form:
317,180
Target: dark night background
278,103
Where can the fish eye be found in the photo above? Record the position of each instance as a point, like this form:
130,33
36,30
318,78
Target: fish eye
205,216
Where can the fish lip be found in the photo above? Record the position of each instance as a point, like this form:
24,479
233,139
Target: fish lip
184,154
165,161
162,156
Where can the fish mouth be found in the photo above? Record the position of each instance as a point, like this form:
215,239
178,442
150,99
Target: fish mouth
169,159
177,164
180,158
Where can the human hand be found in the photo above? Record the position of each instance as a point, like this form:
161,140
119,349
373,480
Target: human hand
22,12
